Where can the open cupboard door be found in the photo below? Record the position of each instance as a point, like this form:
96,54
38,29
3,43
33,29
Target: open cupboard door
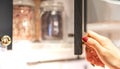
80,23
6,19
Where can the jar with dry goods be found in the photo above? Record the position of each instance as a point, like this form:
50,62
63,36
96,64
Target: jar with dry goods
51,20
23,20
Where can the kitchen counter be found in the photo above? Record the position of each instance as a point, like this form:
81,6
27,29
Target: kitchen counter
26,55
15,60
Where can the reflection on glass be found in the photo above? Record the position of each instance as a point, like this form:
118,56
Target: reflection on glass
51,18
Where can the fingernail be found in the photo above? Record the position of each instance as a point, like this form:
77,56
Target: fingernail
85,39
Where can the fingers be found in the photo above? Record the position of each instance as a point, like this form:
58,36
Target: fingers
92,43
91,54
92,57
101,39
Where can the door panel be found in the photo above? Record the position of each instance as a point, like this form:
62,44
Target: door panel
6,19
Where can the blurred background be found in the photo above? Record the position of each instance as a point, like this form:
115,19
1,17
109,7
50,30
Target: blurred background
43,33
103,17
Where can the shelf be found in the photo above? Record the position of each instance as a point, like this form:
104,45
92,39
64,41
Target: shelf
117,2
104,26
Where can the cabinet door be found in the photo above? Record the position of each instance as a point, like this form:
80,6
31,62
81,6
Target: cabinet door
6,19
78,27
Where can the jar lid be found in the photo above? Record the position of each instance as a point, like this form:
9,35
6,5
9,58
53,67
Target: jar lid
52,5
23,2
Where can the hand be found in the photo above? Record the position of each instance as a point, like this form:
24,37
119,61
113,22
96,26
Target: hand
103,48
92,57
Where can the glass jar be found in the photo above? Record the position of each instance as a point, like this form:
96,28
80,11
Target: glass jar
52,20
23,20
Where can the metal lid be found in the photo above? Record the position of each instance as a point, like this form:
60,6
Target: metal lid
23,2
54,5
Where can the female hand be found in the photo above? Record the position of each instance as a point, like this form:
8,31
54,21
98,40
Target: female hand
101,51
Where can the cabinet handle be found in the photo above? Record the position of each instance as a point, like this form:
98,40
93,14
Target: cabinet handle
5,41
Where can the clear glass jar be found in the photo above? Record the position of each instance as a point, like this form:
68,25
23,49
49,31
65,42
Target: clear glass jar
23,20
52,20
